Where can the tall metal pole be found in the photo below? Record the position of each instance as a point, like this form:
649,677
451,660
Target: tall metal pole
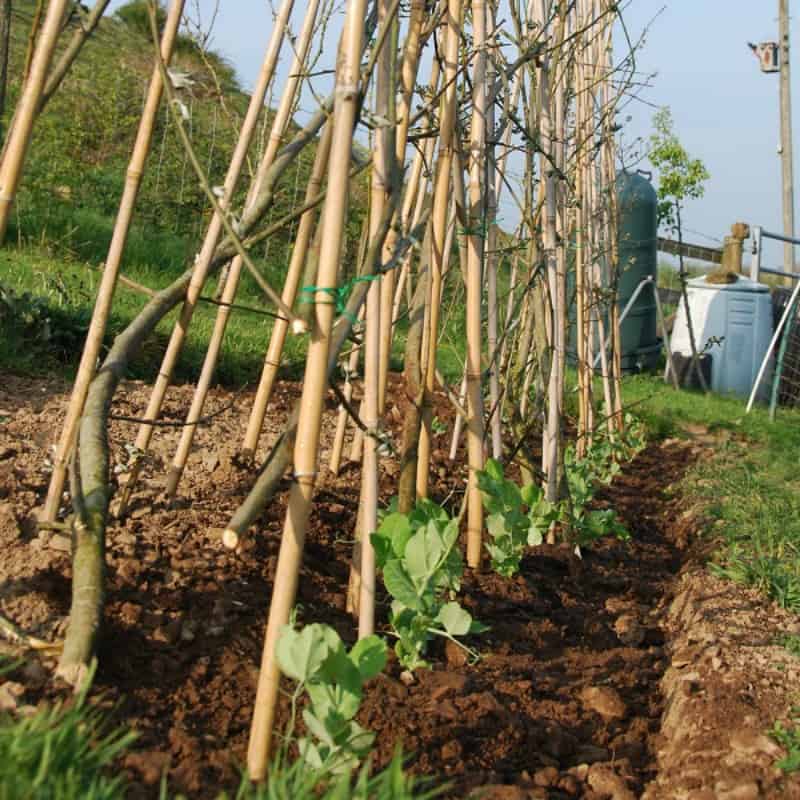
786,137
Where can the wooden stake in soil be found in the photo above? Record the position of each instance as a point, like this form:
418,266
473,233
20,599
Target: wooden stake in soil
408,77
105,294
475,251
441,205
382,185
314,386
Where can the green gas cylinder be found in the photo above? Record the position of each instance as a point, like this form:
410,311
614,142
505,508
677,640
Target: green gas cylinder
637,207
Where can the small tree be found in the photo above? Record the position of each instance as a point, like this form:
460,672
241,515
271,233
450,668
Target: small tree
681,178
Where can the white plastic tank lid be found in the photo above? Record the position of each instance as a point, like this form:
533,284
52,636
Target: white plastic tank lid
742,285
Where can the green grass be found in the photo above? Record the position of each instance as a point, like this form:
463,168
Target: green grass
669,277
749,488
63,752
60,297
789,739
69,752
791,643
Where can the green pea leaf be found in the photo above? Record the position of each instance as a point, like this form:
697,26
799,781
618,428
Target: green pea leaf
301,654
531,494
400,586
494,469
535,533
424,551
398,530
455,620
369,656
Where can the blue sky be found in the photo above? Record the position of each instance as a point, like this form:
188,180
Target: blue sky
725,109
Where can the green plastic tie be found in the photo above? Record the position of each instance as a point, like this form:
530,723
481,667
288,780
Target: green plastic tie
339,294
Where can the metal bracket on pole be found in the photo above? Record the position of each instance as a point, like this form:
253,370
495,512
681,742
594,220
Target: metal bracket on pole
755,260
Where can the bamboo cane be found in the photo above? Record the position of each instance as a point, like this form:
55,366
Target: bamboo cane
475,249
408,77
441,204
105,294
490,257
19,137
314,386
377,338
550,449
341,422
278,128
302,239
560,316
205,255
580,256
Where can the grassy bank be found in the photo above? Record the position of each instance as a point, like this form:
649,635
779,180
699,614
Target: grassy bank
749,488
46,304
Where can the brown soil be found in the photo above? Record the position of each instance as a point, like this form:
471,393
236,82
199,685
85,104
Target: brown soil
584,659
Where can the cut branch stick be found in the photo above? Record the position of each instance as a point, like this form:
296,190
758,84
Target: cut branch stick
87,586
105,294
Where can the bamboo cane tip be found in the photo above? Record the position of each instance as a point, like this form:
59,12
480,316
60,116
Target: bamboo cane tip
299,326
230,539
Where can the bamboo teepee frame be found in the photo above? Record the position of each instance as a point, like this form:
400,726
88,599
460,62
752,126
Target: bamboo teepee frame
442,164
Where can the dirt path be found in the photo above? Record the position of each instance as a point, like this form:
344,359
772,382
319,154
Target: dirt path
566,700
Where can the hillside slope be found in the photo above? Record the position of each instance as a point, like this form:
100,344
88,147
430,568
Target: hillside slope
73,181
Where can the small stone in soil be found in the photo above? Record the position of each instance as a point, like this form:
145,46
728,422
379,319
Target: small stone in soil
546,777
604,701
607,783
451,751
456,655
10,692
744,791
61,543
629,631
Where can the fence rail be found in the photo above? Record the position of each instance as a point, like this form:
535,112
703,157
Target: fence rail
756,267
